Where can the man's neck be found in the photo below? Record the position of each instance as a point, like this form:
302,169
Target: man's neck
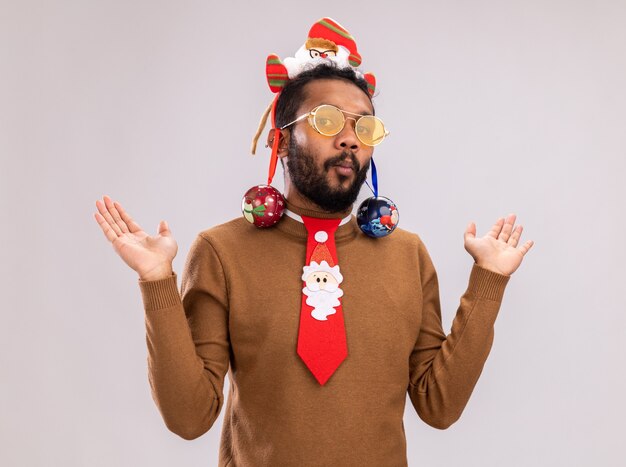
313,210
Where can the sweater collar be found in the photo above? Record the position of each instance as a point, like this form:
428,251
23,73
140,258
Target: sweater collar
296,228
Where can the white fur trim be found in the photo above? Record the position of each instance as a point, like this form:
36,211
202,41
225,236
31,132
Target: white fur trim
302,61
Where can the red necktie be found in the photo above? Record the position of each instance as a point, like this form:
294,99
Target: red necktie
322,336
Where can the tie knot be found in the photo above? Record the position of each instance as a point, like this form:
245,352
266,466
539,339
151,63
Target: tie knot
320,227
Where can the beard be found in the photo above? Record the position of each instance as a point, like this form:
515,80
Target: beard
313,183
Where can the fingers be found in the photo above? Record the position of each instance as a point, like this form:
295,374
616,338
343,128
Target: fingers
113,220
496,229
164,229
132,225
115,214
515,236
109,233
507,228
504,229
104,212
526,246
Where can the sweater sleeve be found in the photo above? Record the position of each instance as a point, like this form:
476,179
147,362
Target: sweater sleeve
445,369
188,342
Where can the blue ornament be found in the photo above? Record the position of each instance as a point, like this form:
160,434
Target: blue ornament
377,216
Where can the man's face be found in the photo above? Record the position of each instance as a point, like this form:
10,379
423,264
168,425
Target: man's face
329,170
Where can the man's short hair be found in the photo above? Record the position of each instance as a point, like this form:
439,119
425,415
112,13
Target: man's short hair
293,93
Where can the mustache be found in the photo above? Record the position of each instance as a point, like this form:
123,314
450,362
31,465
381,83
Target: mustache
342,158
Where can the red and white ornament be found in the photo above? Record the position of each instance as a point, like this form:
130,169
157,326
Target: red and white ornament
263,205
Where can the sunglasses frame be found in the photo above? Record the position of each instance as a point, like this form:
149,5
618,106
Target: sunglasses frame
311,121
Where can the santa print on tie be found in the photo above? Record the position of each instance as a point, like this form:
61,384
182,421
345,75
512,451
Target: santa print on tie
322,337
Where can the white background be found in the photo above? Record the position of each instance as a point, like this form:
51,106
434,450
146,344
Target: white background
495,107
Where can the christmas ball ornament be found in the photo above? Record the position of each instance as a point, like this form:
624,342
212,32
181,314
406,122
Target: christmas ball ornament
377,216
263,205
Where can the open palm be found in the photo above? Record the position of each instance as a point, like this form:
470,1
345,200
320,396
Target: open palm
149,256
498,250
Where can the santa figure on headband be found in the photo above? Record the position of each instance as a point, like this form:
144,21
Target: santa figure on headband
327,41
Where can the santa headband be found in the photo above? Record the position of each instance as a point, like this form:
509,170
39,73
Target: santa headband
327,42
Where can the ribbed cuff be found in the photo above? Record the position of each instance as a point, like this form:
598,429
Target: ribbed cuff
159,294
487,284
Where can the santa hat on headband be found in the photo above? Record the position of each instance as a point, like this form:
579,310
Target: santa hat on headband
330,30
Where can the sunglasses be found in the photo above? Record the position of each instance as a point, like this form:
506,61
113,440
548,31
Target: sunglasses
328,120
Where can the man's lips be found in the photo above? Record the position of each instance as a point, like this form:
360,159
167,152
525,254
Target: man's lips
344,165
345,169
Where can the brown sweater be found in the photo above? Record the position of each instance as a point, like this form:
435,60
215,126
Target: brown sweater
240,307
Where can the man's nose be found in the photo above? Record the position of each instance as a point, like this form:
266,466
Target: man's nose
347,138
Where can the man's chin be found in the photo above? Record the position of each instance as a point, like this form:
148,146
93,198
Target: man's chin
341,189
338,181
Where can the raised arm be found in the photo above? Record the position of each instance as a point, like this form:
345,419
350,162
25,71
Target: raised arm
445,369
188,346
188,342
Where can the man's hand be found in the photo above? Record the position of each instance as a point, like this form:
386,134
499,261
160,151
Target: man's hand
498,251
150,256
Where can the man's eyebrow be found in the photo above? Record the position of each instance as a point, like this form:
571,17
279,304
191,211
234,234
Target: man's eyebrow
363,112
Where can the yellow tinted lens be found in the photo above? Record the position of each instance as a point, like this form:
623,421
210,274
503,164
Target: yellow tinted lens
328,120
370,130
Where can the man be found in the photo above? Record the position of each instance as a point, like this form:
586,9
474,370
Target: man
240,305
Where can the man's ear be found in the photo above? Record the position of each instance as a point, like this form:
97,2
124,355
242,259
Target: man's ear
283,144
